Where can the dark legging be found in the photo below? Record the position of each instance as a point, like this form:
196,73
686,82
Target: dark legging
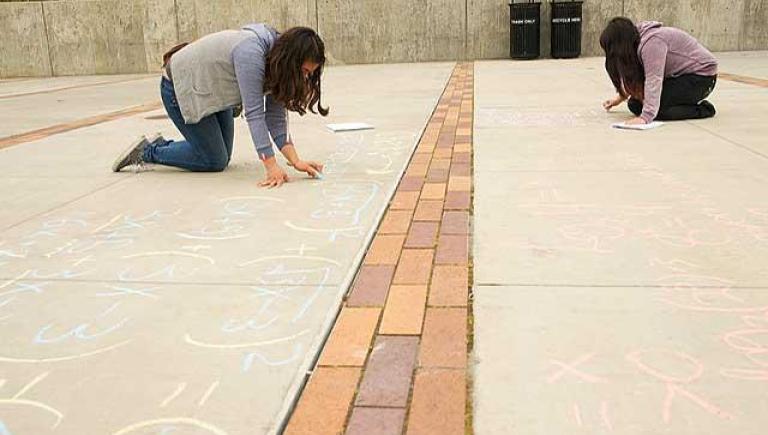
682,98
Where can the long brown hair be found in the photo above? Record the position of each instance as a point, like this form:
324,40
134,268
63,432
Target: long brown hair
620,41
284,77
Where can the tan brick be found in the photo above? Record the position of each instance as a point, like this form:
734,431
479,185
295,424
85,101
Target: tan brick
415,266
396,222
460,184
444,338
449,286
351,337
433,191
421,159
404,312
440,164
426,147
462,147
439,402
443,153
385,249
404,201
417,170
325,402
429,210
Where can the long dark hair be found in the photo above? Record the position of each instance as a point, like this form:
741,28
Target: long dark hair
284,78
620,41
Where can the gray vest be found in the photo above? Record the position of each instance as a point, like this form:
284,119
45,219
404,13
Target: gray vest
204,74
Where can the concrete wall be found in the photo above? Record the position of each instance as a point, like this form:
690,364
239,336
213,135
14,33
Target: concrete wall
393,30
23,42
69,37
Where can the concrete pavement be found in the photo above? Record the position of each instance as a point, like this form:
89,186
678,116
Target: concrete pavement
167,300
620,277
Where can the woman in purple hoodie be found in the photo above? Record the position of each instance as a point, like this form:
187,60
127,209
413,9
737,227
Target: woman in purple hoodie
665,73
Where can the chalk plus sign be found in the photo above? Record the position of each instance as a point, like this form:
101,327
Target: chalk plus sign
302,249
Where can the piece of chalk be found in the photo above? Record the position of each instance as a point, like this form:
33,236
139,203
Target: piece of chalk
319,176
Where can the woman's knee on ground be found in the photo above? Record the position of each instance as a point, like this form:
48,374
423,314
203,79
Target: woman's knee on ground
216,162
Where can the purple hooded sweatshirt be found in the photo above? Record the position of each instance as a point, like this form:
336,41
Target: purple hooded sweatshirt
668,52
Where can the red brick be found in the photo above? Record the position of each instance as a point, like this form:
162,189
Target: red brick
437,175
387,378
422,235
452,250
444,338
376,421
455,222
460,170
410,184
371,286
458,200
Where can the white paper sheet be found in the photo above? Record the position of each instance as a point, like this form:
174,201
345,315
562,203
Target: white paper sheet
623,126
349,126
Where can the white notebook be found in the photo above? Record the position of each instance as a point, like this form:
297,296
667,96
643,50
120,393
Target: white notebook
349,126
623,126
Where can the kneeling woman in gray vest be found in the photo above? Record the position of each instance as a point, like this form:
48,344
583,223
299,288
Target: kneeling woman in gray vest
264,72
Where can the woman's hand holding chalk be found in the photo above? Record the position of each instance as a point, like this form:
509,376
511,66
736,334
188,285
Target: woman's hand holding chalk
314,169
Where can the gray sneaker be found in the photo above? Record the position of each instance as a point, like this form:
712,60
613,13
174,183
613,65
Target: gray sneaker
134,154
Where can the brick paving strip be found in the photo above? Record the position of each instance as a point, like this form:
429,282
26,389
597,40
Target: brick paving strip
744,79
42,133
396,359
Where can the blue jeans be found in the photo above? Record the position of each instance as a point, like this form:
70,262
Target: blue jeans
208,144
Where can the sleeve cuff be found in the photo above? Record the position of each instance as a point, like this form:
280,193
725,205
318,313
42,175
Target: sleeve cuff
265,153
280,141
648,118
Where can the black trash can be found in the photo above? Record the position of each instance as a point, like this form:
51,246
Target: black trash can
524,25
566,29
